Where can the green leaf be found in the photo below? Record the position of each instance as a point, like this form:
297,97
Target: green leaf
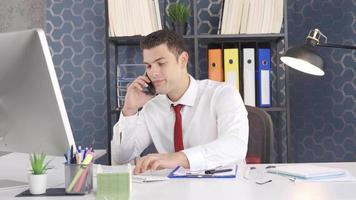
179,12
38,164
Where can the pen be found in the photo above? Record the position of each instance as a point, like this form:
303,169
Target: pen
71,155
68,156
79,149
85,152
215,171
65,156
78,158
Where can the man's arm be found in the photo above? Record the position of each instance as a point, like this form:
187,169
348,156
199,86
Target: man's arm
229,147
130,134
130,138
161,161
232,127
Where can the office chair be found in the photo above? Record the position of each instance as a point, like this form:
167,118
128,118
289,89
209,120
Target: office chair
260,136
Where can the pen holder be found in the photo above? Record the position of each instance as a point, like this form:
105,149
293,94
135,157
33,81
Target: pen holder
78,178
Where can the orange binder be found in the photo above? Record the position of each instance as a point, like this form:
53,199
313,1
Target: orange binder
215,65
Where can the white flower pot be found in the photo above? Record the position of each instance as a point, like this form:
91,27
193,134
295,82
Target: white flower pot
37,183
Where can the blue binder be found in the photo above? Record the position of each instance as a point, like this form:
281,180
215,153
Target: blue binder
263,77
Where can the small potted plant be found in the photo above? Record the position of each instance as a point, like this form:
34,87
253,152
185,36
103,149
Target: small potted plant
179,13
38,176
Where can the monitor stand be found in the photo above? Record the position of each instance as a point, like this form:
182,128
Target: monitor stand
6,184
2,153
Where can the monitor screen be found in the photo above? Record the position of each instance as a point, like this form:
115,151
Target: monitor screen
33,117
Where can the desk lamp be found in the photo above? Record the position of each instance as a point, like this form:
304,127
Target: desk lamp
306,58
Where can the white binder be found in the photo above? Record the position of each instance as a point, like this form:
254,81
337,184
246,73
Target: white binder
249,76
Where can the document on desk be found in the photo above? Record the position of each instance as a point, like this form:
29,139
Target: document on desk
310,172
148,176
220,172
151,176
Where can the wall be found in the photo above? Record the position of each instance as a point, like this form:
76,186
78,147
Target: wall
76,36
21,14
323,109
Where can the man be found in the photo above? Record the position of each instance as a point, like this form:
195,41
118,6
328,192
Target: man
194,124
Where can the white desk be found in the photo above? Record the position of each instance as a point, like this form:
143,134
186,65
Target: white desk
13,166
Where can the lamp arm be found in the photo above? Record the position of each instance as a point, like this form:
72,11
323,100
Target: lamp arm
341,46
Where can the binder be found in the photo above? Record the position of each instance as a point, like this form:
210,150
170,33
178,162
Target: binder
264,78
231,67
249,76
215,68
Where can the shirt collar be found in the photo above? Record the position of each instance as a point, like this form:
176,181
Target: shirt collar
189,96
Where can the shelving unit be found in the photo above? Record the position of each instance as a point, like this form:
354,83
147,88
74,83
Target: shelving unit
198,57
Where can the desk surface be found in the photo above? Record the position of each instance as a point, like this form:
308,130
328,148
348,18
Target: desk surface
14,166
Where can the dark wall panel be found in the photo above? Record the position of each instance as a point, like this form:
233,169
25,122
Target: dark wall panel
323,109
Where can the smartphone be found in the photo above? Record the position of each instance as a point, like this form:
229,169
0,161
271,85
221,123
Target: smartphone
150,89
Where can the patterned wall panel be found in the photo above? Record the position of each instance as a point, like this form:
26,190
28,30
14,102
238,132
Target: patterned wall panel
208,20
323,109
76,34
323,119
209,13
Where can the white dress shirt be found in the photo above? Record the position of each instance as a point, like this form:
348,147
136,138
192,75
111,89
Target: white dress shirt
214,122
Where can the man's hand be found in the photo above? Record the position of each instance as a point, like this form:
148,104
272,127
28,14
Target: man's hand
135,98
161,161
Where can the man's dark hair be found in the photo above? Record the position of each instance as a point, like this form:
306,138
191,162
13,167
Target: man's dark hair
173,41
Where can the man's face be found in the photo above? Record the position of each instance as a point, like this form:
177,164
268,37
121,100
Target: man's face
163,68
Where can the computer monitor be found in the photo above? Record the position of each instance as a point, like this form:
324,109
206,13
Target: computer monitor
33,117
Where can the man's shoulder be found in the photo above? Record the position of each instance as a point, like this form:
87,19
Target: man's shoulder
216,91
212,85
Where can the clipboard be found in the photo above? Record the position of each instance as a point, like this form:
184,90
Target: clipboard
180,172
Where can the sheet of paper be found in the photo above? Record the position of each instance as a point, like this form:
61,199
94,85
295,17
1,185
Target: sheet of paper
148,179
151,176
347,177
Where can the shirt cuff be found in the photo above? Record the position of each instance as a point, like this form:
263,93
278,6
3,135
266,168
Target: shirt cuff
195,158
120,127
128,120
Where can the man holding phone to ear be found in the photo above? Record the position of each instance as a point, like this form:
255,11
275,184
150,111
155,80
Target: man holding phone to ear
196,124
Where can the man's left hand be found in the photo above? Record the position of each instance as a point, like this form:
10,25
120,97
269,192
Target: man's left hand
161,161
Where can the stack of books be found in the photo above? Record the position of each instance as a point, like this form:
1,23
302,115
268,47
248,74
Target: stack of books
251,16
134,17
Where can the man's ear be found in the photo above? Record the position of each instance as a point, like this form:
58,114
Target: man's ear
183,58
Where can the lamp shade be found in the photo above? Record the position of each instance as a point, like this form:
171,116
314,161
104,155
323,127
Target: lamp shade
304,58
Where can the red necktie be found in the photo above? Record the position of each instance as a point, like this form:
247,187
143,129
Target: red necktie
178,131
